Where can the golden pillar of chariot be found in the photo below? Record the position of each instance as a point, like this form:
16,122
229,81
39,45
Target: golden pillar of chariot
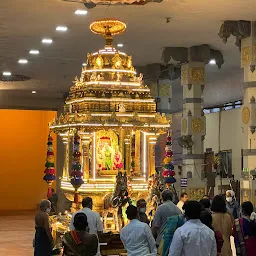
114,114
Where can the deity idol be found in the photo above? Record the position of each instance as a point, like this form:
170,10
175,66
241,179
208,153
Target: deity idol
108,155
118,159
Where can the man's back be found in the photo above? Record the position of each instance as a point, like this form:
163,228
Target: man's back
93,218
137,239
164,211
193,238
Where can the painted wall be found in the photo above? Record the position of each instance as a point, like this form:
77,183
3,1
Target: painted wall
231,134
23,136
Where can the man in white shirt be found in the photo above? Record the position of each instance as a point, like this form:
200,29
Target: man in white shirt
163,212
193,238
183,200
93,218
136,236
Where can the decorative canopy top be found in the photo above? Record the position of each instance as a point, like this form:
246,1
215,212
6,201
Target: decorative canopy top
108,26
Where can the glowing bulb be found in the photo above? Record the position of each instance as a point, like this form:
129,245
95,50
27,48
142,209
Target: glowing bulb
7,73
47,41
34,92
81,12
34,52
23,61
61,28
212,62
120,45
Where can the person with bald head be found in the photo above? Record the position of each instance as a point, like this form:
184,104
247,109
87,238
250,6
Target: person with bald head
232,205
163,212
43,242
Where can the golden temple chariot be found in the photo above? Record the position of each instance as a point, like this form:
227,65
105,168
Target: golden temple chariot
115,116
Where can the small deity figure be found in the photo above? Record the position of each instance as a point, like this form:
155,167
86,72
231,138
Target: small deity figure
99,157
93,77
118,159
121,108
108,157
140,78
118,75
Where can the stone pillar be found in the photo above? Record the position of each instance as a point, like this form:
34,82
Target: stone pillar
244,31
65,172
151,156
85,158
193,126
193,120
121,142
137,152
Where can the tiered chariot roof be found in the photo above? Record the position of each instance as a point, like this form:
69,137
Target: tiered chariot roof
109,92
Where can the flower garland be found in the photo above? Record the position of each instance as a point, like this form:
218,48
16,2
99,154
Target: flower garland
168,172
49,176
76,174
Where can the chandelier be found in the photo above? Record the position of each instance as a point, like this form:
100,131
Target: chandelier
92,3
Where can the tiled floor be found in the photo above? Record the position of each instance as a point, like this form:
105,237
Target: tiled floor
16,235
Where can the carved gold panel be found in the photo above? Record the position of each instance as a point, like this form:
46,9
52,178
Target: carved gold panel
246,55
165,90
245,195
184,76
197,75
246,115
153,89
196,193
197,125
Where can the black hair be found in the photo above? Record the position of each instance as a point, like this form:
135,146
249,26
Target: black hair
219,204
141,201
131,212
183,194
192,209
167,195
247,209
87,201
80,221
205,203
206,218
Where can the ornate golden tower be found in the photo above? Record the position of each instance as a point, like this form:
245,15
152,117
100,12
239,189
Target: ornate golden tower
115,116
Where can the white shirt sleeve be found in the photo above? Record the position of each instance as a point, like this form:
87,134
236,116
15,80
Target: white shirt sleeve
214,248
99,224
71,226
176,245
151,240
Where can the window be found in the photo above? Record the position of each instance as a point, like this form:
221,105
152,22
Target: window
214,110
207,111
225,158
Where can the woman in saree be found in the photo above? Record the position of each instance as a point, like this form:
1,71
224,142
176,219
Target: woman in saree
79,242
244,231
